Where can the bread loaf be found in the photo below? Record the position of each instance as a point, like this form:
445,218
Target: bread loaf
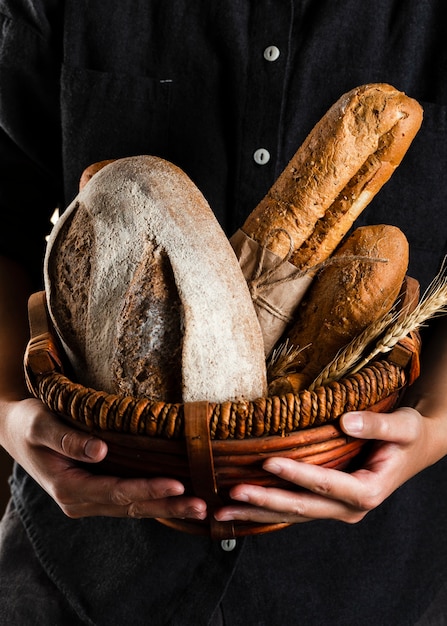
345,298
146,293
347,157
91,170
342,164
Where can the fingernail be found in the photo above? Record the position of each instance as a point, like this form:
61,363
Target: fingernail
353,423
174,491
92,448
271,466
241,496
223,516
194,513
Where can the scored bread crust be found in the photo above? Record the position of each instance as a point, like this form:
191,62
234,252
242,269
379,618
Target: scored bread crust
347,296
344,161
159,300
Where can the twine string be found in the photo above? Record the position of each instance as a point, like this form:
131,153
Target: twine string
263,279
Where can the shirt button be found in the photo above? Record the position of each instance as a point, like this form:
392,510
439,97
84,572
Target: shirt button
228,544
261,156
271,53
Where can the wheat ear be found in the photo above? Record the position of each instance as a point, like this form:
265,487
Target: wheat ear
345,360
397,326
283,359
433,305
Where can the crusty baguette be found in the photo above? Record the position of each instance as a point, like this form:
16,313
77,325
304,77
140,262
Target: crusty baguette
347,157
146,293
345,298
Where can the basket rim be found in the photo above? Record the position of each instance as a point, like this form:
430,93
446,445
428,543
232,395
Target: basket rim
244,419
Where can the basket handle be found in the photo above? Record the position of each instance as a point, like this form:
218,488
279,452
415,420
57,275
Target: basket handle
42,353
197,416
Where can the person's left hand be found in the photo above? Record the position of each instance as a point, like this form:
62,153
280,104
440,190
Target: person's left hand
406,443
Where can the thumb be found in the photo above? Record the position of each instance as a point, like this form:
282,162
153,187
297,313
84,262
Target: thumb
82,447
51,432
383,426
30,424
353,423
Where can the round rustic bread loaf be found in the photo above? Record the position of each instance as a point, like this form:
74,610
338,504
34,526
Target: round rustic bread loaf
146,293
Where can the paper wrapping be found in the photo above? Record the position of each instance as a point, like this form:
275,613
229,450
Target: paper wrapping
277,287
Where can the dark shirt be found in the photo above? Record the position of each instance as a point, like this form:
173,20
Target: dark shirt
86,80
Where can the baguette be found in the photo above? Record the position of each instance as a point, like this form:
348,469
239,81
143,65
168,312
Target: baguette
146,293
347,157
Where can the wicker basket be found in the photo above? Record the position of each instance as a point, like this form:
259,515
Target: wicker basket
210,446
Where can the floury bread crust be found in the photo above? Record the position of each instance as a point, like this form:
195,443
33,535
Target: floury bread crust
342,164
146,293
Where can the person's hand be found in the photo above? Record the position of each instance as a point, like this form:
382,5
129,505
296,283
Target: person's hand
50,452
406,444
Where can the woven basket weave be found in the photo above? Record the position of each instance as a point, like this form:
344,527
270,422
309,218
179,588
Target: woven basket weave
210,446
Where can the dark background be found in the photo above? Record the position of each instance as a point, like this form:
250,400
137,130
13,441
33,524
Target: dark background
5,470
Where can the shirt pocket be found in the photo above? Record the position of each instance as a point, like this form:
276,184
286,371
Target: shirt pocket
108,115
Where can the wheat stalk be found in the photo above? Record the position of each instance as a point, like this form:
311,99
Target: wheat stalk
435,304
283,359
345,359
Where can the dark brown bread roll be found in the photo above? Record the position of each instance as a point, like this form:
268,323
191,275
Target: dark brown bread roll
346,297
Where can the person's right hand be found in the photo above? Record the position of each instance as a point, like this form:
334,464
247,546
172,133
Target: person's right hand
50,451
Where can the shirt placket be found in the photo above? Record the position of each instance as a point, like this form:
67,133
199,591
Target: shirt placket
266,93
